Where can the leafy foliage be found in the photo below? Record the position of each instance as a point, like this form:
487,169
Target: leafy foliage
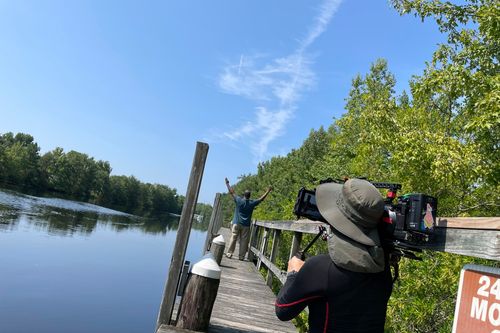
19,160
460,92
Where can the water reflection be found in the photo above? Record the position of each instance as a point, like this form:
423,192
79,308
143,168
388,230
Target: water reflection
68,218
8,218
66,262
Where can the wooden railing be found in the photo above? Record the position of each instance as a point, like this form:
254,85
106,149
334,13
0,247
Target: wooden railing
470,236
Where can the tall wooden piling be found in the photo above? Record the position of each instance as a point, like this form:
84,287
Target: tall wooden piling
213,225
181,241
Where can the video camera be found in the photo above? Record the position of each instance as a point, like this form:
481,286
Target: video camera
408,221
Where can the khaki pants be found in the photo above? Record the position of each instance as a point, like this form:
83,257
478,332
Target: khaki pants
243,233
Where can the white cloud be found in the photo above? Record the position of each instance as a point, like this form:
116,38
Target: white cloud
274,85
328,9
270,125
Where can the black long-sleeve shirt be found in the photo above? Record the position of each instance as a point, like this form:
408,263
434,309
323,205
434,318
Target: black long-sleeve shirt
340,301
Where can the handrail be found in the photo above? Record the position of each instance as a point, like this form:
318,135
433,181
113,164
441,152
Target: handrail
303,225
471,236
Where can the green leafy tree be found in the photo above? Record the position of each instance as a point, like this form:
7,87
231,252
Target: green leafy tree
76,175
126,193
19,160
83,174
164,199
448,146
56,170
101,187
459,92
362,139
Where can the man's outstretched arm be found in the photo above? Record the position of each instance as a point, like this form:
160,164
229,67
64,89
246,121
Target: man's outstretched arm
229,188
269,189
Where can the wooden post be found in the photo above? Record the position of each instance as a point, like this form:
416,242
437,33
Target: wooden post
199,297
212,223
253,240
263,246
217,248
297,239
272,258
218,218
185,222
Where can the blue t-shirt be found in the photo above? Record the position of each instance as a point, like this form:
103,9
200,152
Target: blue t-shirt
243,210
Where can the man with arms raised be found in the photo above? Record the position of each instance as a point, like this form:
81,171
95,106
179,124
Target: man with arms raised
240,227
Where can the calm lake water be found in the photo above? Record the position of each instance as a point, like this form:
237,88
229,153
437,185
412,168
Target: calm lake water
72,267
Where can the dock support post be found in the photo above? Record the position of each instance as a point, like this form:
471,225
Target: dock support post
217,248
185,223
199,297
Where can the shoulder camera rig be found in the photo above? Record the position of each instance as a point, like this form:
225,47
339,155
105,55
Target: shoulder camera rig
407,224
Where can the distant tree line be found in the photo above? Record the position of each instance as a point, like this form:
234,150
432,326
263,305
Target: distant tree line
77,176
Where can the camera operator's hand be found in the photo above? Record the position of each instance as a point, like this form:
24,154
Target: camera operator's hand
295,264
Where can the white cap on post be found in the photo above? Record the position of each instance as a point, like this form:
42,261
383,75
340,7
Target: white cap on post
207,267
219,240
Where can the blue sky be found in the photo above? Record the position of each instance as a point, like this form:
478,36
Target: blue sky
137,83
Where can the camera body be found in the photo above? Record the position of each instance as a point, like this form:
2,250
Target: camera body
407,223
411,220
305,205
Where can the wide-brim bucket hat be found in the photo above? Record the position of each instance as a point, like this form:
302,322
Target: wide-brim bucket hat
353,208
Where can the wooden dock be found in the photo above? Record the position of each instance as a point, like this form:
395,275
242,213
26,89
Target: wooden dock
244,302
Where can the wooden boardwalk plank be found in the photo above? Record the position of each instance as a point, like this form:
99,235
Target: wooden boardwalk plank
244,302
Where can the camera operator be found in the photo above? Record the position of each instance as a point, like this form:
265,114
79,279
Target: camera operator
348,289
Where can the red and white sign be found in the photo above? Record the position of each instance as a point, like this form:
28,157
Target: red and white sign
478,301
